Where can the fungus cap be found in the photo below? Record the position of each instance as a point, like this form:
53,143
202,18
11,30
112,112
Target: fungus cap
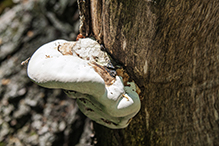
49,68
78,68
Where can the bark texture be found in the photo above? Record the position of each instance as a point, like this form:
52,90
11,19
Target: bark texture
171,49
29,114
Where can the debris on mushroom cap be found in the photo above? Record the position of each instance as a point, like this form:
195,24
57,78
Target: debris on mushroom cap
80,68
89,49
63,71
108,79
66,48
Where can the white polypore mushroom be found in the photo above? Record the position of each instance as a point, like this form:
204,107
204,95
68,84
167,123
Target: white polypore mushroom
78,68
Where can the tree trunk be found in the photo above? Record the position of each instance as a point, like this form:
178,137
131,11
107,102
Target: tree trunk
171,50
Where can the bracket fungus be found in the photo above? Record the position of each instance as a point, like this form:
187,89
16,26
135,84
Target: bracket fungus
81,69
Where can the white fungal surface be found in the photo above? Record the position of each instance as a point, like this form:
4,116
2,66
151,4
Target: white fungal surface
49,68
67,65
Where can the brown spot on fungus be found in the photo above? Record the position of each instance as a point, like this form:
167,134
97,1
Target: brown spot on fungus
48,56
83,100
108,79
125,97
89,109
66,48
106,121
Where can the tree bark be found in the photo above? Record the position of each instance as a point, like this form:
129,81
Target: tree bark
171,50
29,114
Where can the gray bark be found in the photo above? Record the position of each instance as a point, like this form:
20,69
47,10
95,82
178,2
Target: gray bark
29,114
171,50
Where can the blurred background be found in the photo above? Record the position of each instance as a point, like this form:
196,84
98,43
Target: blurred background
29,114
